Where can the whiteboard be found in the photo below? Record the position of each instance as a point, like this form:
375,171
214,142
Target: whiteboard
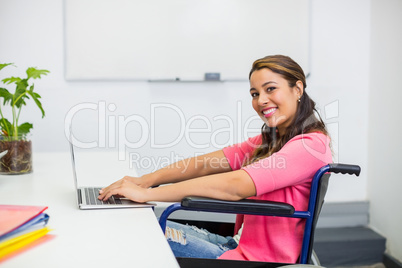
169,39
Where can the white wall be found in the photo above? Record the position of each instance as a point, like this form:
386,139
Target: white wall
339,75
385,146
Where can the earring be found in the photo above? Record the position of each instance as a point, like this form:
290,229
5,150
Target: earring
299,99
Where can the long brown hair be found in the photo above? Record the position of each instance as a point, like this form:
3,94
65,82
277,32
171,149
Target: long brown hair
305,120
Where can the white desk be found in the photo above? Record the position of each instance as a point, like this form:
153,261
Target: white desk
91,238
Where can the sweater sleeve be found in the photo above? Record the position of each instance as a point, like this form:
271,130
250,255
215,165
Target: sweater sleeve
238,154
298,159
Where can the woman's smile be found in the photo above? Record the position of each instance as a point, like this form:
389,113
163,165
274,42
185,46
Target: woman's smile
267,112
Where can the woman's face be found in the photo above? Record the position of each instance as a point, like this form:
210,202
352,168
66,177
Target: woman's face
273,99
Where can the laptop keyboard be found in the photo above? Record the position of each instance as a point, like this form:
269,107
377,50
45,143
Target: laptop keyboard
91,195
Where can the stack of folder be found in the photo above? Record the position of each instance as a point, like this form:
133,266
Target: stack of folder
20,226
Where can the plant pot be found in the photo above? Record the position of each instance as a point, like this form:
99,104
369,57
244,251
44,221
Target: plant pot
18,159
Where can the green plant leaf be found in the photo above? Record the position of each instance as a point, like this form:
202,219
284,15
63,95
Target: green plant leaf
11,80
35,96
20,93
6,127
35,73
24,128
2,65
4,93
18,99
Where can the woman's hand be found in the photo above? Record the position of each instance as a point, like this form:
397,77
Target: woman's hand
127,187
140,181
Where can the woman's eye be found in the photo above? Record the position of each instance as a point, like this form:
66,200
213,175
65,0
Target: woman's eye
254,94
271,89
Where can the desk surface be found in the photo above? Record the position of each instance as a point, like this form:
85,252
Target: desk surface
91,238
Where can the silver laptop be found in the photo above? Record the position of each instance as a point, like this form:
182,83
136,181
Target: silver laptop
87,197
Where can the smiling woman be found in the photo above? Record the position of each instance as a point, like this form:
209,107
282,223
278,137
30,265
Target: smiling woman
284,103
276,165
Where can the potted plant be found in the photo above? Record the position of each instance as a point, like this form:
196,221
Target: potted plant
15,146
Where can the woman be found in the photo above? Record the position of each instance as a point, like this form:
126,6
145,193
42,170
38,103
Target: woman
276,165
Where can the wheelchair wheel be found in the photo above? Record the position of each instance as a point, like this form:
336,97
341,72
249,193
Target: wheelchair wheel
314,259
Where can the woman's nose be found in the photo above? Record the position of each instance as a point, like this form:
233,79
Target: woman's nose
263,100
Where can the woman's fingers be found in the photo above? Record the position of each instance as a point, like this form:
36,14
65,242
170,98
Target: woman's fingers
108,191
122,187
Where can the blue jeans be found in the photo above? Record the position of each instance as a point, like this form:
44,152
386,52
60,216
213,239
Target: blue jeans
190,241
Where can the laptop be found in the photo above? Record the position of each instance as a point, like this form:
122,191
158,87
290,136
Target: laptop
87,197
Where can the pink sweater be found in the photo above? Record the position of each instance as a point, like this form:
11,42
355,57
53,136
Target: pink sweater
285,177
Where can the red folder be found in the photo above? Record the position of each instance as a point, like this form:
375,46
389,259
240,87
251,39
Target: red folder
13,216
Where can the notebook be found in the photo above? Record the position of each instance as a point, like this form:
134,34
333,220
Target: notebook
87,197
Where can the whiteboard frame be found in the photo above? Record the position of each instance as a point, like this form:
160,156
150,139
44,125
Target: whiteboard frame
97,46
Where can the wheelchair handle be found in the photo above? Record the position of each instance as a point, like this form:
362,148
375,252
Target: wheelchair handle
344,169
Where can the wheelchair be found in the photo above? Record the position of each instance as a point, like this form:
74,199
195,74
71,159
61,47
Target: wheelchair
319,186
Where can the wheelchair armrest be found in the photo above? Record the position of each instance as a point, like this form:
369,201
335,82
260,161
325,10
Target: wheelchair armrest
245,206
344,169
